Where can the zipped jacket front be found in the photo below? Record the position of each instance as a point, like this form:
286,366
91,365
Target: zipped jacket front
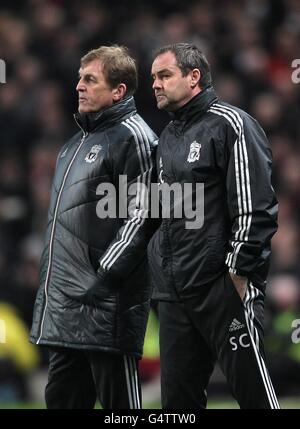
223,154
94,291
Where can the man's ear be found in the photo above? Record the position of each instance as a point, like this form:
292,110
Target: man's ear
195,76
119,92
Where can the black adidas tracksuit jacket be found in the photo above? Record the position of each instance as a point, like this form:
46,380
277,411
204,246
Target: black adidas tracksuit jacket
223,147
202,317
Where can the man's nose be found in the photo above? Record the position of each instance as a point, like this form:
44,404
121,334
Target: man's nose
156,84
80,86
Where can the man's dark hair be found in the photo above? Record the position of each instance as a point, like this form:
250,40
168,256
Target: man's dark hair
118,66
189,57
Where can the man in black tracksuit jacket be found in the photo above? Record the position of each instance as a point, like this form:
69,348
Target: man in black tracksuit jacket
93,302
210,279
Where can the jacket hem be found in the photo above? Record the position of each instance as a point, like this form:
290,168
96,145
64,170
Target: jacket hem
85,347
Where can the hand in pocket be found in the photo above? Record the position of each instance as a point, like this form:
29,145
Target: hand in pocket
240,283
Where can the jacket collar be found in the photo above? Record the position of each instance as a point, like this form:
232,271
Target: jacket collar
196,107
88,122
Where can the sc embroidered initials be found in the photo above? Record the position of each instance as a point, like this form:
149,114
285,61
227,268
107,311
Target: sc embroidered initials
194,154
236,341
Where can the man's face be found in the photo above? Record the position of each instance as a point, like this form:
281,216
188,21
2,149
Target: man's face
172,90
93,90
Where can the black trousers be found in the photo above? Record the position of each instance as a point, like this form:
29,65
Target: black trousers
77,377
215,325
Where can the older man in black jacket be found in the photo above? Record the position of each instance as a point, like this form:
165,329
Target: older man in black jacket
92,305
210,274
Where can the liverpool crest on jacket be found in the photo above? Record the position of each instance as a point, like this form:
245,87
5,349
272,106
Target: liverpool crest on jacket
194,154
93,153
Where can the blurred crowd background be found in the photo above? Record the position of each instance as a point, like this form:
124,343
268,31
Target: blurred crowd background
250,44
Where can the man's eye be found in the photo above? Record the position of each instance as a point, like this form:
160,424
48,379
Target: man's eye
90,79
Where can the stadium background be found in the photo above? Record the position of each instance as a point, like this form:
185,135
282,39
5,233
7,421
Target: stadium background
250,45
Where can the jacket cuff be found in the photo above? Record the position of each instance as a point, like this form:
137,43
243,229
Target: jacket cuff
238,272
106,278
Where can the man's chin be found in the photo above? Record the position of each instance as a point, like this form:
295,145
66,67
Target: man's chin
162,105
83,109
165,106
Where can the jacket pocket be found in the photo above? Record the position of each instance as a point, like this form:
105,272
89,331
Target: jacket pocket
94,256
159,269
233,289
